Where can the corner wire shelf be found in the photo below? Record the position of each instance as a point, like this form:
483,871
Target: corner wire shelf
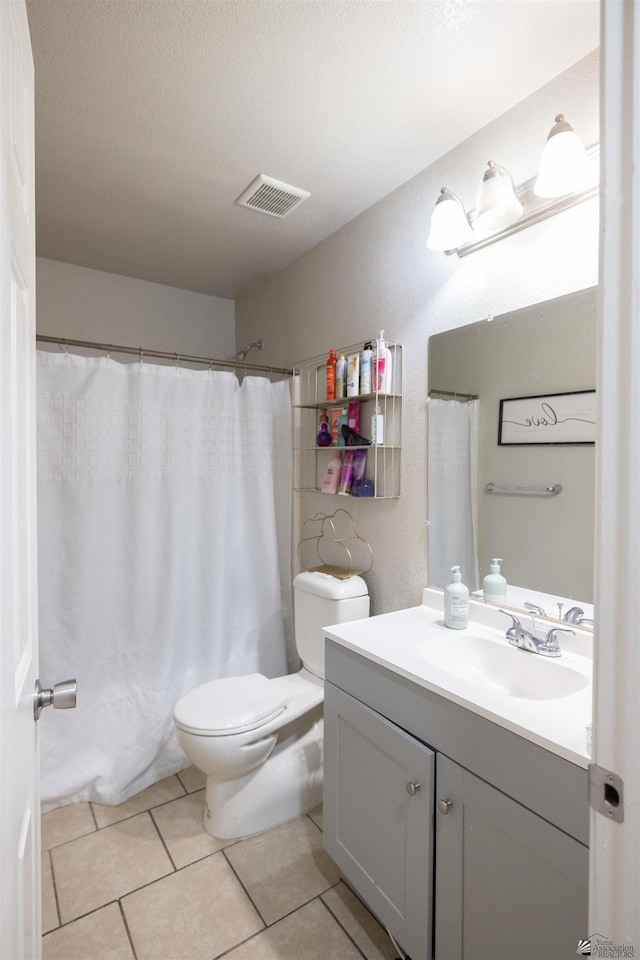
352,546
383,460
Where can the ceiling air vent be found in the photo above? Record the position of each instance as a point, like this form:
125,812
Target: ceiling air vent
271,196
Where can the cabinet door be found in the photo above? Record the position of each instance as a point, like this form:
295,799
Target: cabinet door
509,885
378,816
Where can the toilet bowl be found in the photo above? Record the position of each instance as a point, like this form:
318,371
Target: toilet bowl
259,740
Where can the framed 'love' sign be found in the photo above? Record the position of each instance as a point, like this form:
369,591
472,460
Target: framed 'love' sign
552,418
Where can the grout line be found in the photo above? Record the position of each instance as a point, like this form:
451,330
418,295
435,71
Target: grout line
82,916
126,926
153,806
341,925
55,891
187,792
317,825
238,878
175,869
93,815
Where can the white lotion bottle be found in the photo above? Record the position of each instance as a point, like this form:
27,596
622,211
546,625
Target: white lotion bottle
456,602
494,585
377,427
383,366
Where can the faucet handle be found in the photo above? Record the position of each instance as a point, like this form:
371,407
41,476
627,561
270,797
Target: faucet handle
516,625
552,639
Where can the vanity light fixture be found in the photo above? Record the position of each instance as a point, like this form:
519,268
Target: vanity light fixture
498,206
568,175
449,225
564,165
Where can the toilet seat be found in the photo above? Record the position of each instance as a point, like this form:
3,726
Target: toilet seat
229,705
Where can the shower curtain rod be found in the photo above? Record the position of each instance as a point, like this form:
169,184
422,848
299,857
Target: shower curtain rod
451,393
163,355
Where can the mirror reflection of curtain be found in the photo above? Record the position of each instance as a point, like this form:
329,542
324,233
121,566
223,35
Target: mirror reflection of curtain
452,491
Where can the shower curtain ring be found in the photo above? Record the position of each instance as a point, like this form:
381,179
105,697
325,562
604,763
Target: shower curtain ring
140,356
176,361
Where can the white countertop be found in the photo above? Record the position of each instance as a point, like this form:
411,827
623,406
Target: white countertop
400,642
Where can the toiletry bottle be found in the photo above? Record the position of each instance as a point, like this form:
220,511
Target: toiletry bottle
383,365
341,377
336,413
343,421
331,479
377,426
494,585
456,602
332,363
346,475
353,375
323,438
366,368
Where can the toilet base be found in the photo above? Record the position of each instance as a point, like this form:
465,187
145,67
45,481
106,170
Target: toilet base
287,784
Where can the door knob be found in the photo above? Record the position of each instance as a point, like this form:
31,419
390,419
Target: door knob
63,696
412,788
444,806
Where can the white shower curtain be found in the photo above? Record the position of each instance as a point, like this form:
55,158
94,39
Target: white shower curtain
164,538
452,491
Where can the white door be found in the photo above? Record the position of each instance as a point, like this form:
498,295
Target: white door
19,800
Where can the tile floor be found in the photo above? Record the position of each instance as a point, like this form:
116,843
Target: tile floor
144,880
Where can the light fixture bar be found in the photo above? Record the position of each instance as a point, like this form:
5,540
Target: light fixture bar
535,209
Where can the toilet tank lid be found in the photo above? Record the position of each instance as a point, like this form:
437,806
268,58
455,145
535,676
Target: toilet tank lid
328,587
229,705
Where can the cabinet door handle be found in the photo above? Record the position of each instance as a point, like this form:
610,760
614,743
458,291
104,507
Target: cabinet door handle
444,806
412,788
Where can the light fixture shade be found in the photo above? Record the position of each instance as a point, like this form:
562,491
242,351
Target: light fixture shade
449,225
564,165
498,206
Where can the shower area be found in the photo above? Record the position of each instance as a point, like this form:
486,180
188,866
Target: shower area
164,517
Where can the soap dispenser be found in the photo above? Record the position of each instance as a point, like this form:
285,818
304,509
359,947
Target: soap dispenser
494,585
456,602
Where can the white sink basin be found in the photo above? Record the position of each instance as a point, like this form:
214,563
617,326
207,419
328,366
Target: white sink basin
498,666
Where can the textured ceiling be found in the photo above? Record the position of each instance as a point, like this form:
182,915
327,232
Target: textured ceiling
153,116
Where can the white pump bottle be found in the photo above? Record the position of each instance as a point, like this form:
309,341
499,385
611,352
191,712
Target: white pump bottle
456,602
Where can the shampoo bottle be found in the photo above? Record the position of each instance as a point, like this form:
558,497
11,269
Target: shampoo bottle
494,585
341,377
456,602
366,368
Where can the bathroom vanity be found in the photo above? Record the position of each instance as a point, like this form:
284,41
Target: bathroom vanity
456,783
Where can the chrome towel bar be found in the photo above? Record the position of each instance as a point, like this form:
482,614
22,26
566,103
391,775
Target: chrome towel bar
524,491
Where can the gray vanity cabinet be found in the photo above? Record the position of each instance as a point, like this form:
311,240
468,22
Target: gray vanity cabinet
493,864
378,816
509,885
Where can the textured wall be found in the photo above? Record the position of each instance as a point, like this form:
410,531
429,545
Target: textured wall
84,304
378,273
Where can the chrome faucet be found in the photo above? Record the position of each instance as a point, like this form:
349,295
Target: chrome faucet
535,608
527,640
573,615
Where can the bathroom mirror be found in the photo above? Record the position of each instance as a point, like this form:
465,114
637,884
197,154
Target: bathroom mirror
545,538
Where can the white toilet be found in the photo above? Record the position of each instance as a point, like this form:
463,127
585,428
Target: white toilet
259,741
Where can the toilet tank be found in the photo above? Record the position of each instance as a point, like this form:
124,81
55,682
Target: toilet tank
320,600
